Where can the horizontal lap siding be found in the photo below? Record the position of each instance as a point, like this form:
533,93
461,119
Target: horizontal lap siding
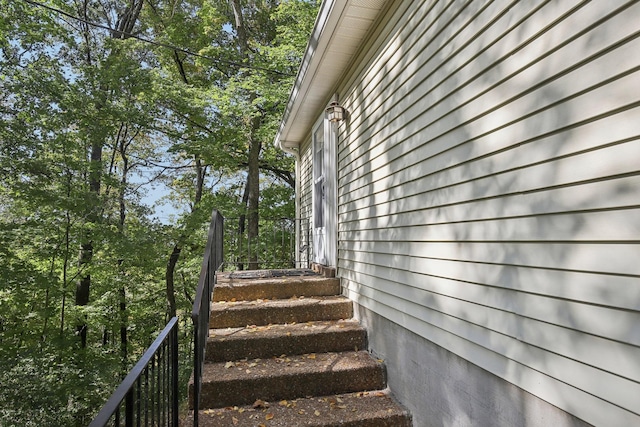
489,192
306,181
306,184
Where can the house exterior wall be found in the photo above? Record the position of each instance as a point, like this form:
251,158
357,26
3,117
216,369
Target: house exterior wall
488,208
306,204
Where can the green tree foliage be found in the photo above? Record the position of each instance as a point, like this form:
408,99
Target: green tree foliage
101,101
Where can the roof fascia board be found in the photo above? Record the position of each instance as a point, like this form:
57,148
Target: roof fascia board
324,28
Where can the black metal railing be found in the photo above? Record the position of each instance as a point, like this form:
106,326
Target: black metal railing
148,396
202,303
274,247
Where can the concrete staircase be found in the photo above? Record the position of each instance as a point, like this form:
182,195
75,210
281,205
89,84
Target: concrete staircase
284,351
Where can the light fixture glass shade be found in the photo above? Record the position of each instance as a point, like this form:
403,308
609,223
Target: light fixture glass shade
335,112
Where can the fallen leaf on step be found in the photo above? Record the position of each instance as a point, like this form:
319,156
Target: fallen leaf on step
269,416
317,413
235,421
311,356
229,365
260,404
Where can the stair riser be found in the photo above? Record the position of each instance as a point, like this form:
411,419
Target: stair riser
259,316
253,347
276,290
236,393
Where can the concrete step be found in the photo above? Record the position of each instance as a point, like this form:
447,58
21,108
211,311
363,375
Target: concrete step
265,312
288,377
236,287
273,340
362,409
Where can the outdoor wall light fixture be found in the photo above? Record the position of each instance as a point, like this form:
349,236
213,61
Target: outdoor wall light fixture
335,112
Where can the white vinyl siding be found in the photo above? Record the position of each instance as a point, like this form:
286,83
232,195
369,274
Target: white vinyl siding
489,192
306,204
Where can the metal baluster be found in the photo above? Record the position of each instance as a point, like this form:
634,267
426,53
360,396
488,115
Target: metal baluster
175,391
146,396
117,417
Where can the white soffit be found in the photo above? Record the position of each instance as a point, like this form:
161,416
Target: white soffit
340,30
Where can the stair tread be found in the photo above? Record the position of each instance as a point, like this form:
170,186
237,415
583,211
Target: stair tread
266,274
287,366
291,338
286,329
264,312
374,409
232,279
267,304
289,377
274,287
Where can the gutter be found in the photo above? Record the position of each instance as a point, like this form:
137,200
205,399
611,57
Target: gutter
326,23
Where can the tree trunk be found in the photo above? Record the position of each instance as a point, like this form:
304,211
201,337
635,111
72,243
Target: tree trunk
83,285
123,146
170,271
240,28
253,181
123,329
242,223
175,254
255,146
65,264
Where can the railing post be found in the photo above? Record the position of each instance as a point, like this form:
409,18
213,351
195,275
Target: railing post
197,375
176,369
128,409
212,260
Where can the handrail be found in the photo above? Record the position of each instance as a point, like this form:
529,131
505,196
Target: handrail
280,244
202,304
150,390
